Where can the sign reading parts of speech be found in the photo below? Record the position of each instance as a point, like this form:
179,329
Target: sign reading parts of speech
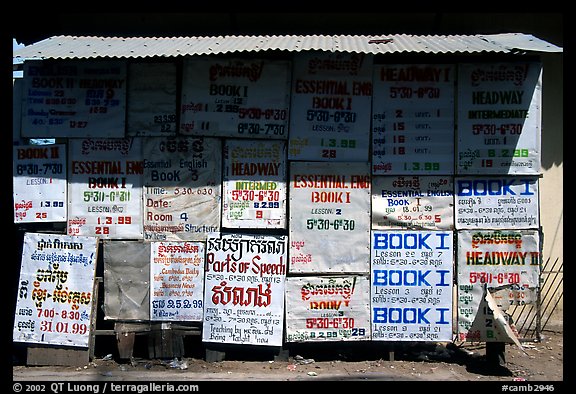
244,289
254,186
151,99
39,179
327,308
330,107
329,225
413,119
74,99
416,202
497,202
55,290
499,118
411,291
177,281
105,187
243,98
182,188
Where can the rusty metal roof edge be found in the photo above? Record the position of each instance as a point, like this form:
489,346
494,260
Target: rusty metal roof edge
91,47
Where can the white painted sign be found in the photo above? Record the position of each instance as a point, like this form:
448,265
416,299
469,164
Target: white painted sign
39,179
182,188
329,217
412,202
254,186
177,281
105,187
244,289
499,118
331,103
247,98
413,119
411,289
55,290
74,99
327,308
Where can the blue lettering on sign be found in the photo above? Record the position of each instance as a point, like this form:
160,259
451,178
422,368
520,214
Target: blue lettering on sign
491,187
400,278
407,278
408,315
407,240
401,315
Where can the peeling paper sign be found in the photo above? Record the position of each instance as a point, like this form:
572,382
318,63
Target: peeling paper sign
254,186
502,321
182,179
493,202
329,217
411,290
244,98
330,108
328,308
39,183
127,280
244,289
499,118
74,99
412,202
505,262
55,290
177,281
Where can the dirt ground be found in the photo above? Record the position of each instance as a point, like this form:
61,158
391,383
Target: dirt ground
541,362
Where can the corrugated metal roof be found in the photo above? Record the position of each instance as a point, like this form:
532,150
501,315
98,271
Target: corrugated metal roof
83,47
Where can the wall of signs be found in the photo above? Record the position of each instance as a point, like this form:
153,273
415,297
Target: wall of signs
348,190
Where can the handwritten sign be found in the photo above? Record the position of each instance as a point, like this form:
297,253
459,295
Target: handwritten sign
182,178
254,185
413,119
74,99
235,98
55,290
244,289
499,118
330,111
177,281
411,289
105,187
151,96
415,202
327,308
329,217
497,202
39,183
